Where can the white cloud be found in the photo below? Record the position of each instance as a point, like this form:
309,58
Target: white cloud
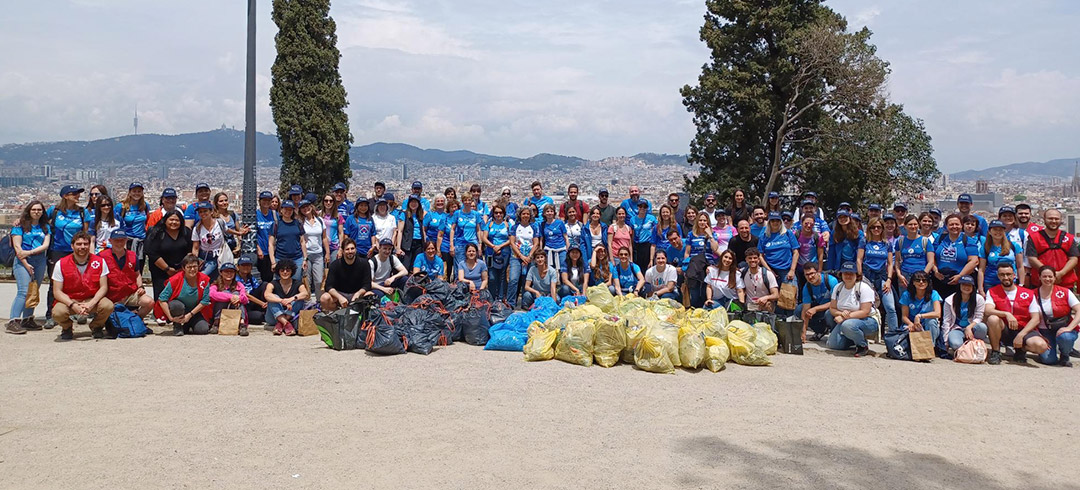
392,27
865,17
1042,99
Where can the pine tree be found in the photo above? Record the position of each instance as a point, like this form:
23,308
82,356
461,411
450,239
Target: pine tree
308,98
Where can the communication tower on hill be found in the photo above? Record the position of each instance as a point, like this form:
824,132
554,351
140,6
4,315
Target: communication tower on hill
136,120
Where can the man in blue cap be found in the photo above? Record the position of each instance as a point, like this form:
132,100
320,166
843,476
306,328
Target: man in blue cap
202,194
264,224
341,197
873,211
818,212
630,204
166,203
938,227
418,193
124,279
899,210
963,206
809,207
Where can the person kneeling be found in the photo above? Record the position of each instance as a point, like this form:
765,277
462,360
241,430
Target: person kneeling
125,280
661,280
79,284
229,294
574,274
1007,313
473,271
1056,313
348,279
851,308
817,300
387,272
539,284
964,315
185,300
256,290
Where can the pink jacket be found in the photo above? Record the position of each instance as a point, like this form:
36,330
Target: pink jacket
226,296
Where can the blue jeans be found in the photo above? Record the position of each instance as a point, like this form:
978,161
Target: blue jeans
275,310
851,333
209,266
956,336
513,279
497,282
877,278
23,278
527,300
1060,346
565,291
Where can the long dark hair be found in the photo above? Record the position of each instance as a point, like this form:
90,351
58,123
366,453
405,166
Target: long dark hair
25,221
578,264
419,209
356,209
158,230
111,218
911,284
958,296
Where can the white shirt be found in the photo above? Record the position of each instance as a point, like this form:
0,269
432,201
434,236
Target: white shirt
103,232
755,286
846,299
381,270
1048,304
718,281
58,276
384,227
524,235
660,279
210,241
313,232
1015,237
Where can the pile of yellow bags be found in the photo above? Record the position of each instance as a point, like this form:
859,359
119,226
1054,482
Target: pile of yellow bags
655,336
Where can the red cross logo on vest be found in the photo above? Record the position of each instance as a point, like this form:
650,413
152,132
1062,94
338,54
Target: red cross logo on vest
1024,295
1060,294
95,264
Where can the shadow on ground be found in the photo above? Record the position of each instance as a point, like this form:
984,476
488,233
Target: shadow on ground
805,463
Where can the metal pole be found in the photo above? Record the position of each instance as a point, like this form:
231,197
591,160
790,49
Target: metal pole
250,190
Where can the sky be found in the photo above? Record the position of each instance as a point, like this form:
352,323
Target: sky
996,82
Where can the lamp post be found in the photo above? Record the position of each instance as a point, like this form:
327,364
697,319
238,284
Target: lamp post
250,191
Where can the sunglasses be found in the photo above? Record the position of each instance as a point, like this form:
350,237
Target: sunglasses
327,200
95,194
875,227
506,193
918,280
498,212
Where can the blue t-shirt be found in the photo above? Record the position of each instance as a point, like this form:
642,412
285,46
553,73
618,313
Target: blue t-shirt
994,257
699,244
644,228
820,294
555,234
444,246
345,208
360,230
465,227
540,203
777,249
674,255
924,305
951,256
133,221
913,253
498,233
30,239
848,249
875,256
433,267
474,273
660,237
631,206
190,213
627,277
263,224
65,226
417,229
433,222
287,240
332,232
756,229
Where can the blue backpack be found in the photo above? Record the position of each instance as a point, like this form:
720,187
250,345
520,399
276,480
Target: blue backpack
126,324
898,344
7,251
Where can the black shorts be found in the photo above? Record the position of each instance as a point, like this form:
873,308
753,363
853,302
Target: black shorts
1008,336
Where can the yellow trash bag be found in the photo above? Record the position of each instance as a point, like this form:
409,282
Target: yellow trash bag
668,310
586,312
631,306
609,342
576,343
766,338
541,344
699,323
559,321
600,297
743,330
691,347
719,322
670,335
745,352
716,353
650,355
634,333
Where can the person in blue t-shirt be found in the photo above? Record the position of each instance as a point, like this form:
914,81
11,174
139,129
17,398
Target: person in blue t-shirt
132,213
921,307
264,222
952,257
418,193
916,252
286,238
538,199
435,219
757,221
66,219
496,238
845,240
553,231
998,249
876,266
632,203
429,262
627,275
465,227
816,299
780,249
643,226
202,194
963,207
30,239
341,198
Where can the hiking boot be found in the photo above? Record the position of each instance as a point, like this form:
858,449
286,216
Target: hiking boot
178,331
1075,353
80,319
213,330
243,331
862,351
28,324
97,333
49,324
66,335
1064,361
995,358
15,327
1020,356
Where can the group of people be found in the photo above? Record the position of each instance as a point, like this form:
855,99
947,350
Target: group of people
955,274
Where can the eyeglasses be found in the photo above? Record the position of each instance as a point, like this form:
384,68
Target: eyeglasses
95,194
327,200
673,199
875,227
498,212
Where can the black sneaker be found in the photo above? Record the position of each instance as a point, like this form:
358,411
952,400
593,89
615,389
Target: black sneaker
1075,353
862,351
98,333
178,331
1064,361
66,335
995,358
1020,356
15,327
28,324
243,331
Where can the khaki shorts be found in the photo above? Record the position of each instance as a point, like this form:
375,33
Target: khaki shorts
131,301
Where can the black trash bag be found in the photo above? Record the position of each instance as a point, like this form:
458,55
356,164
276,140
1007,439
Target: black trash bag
474,326
341,329
459,297
482,296
415,286
500,311
422,330
381,336
439,289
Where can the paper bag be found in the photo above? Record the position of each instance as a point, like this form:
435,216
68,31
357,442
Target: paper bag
788,292
922,345
229,323
32,298
307,323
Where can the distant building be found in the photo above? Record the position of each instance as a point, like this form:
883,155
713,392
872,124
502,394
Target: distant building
982,187
1072,189
404,171
163,171
989,203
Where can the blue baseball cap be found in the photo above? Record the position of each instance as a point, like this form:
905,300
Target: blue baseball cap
774,195
228,266
134,185
288,204
774,216
389,197
874,207
168,192
201,205
311,197
810,194
417,185
340,186
843,212
710,195
899,205
386,241
295,190
245,260
807,202
720,211
202,185
69,189
856,217
935,211
967,280
845,204
848,267
963,198
266,195
118,234
305,202
786,215
602,191
1007,209
997,224
889,216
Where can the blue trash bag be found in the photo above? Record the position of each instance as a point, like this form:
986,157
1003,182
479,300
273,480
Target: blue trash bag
572,301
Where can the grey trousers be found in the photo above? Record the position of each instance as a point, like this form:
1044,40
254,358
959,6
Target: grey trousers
197,325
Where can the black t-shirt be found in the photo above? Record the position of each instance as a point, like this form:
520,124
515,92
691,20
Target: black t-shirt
346,278
737,245
171,250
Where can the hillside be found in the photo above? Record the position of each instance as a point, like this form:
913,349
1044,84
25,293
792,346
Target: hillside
1054,168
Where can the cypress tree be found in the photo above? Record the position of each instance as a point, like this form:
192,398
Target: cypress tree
308,98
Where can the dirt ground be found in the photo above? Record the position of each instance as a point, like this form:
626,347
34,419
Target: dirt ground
273,412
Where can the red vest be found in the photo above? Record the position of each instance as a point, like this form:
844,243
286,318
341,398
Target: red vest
176,282
78,286
1018,307
1059,303
123,282
1055,257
